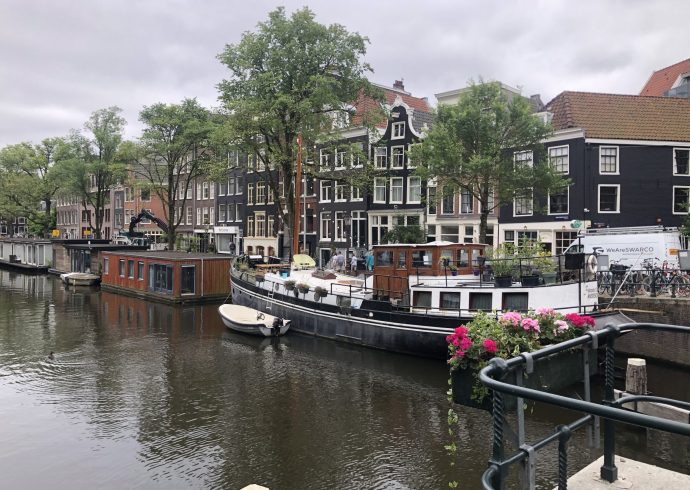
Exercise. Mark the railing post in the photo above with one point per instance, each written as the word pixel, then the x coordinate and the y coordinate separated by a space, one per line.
pixel 609 472
pixel 563 437
pixel 653 295
pixel 498 415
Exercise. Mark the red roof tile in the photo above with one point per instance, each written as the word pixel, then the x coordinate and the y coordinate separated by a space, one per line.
pixel 662 80
pixel 366 104
pixel 614 116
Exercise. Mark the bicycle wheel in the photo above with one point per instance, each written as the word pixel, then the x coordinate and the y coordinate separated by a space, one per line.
pixel 604 283
pixel 682 286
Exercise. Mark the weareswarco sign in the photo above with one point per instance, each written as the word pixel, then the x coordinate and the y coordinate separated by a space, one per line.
pixel 225 230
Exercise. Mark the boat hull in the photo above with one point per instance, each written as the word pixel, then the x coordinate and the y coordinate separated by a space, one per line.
pixel 238 319
pixel 80 279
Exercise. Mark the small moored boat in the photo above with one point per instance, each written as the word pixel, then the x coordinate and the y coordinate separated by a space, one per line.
pixel 248 320
pixel 80 279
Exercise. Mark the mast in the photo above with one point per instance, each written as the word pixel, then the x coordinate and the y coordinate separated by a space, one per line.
pixel 298 181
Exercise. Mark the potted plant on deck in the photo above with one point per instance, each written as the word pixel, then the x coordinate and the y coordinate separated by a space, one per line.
pixel 319 293
pixel 289 285
pixel 472 345
pixel 502 260
pixel 303 288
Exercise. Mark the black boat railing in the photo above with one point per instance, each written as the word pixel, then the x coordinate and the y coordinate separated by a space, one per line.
pixel 611 410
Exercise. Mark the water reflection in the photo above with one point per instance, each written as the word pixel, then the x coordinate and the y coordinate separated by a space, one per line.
pixel 145 394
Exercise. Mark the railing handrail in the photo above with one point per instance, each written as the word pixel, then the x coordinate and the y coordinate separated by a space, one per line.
pixel 494 374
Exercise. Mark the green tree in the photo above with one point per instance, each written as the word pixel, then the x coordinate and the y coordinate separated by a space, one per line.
pixel 91 163
pixel 175 148
pixel 471 147
pixel 291 77
pixel 405 234
pixel 29 182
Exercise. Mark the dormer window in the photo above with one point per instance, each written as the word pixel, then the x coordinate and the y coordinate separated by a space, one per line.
pixel 398 130
pixel 681 165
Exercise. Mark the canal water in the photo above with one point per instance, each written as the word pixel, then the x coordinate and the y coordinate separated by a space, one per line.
pixel 145 395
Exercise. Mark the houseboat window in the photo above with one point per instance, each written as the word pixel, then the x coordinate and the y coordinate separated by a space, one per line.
pixel 446 258
pixel 130 269
pixel 188 273
pixel 475 256
pixel 480 301
pixel 421 299
pixel 121 268
pixel 450 301
pixel 141 271
pixel 384 258
pixel 421 258
pixel 402 260
pixel 106 264
pixel 161 278
pixel 515 302
pixel 463 258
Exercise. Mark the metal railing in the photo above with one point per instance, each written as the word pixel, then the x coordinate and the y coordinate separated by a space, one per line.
pixel 610 409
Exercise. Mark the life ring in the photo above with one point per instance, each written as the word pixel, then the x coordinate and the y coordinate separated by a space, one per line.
pixel 591 265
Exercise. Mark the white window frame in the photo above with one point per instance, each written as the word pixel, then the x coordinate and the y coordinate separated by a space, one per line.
pixel 398 130
pixel 401 187
pixel 618 159
pixel 339 194
pixel 397 159
pixel 356 194
pixel 221 213
pixel 519 158
pixel 466 192
pixel 675 166
pixel 323 158
pixel 250 226
pixel 250 194
pixel 340 157
pixel 205 216
pixel 618 199
pixel 409 190
pixel 515 200
pixel 325 190
pixel 261 192
pixel 339 231
pixel 260 223
pixel 198 216
pixel 673 200
pixel 381 157
pixel 377 186
pixel 567 210
pixel 324 217
pixel 566 157
pixel 356 160
pixel 189 216
pixel 198 191
pixel 410 163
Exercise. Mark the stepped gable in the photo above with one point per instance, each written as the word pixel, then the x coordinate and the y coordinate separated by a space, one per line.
pixel 615 116
pixel 662 80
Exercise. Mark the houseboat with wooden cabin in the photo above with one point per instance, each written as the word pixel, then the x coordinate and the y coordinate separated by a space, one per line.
pixel 414 297
pixel 167 276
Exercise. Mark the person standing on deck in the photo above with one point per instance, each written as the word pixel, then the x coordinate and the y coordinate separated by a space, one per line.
pixel 370 260
pixel 353 265
pixel 339 262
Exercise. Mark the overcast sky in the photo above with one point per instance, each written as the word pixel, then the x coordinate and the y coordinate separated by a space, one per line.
pixel 62 59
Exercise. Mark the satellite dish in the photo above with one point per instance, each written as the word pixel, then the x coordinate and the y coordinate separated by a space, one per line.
pixel 576 223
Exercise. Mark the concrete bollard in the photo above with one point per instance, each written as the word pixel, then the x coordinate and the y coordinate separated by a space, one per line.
pixel 636 376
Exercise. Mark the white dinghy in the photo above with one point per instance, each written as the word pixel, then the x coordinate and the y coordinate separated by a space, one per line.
pixel 248 320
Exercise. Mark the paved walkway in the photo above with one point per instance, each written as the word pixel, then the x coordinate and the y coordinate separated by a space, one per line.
pixel 631 474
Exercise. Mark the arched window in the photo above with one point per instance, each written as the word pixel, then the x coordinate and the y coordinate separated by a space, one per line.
pixel 271 251
pixel 250 249
pixel 260 250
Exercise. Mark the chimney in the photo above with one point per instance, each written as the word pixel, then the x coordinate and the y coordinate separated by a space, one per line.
pixel 398 84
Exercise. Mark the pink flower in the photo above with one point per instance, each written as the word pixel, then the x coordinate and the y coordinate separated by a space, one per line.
pixel 465 343
pixel 449 338
pixel 456 341
pixel 530 324
pixel 490 346
pixel 461 331
pixel 512 318
pixel 561 326
pixel 544 311
pixel 580 321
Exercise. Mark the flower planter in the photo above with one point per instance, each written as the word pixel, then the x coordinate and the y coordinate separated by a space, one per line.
pixel 530 281
pixel 551 374
pixel 549 277
pixel 503 281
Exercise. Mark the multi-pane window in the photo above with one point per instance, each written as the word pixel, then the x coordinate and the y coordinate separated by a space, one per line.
pixel 339 226
pixel 238 189
pixel 466 202
pixel 558 156
pixel 206 217
pixel 449 234
pixel 189 215
pixel 238 213
pixel 221 213
pixel 681 199
pixel 469 234
pixel 397 157
pixel 396 190
pixel 608 159
pixel 448 202
pixel 431 199
pixel 379 189
pixel 261 225
pixel 250 226
pixel 190 189
pixel 222 188
pixel 231 186
pixel 398 130
pixel 523 203
pixel 356 156
pixel 381 157
pixel 355 193
pixel 130 269
pixel 414 190
pixel 325 226
pixel 489 201
pixel 212 211
pixel 198 191
pixel 187 279
pixel 140 271
pixel 340 159
pixel 250 193
pixel 340 192
pixel 410 163
pixel 558 201
pixel 680 161
pixel 326 186
pixel 270 225
pixel 231 212
pixel 146 194
pixel 261 192
pixel 198 216
pixel 324 158
pixel 563 240
pixel 609 198
pixel 524 158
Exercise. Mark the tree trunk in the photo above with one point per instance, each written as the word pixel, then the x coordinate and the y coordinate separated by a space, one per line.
pixel 172 226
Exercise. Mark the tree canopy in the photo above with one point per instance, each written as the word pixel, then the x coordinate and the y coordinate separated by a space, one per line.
pixel 174 149
pixel 472 146
pixel 291 77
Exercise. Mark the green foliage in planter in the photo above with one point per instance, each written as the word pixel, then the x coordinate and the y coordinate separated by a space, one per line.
pixel 303 288
pixel 289 285
pixel 320 292
pixel 503 260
